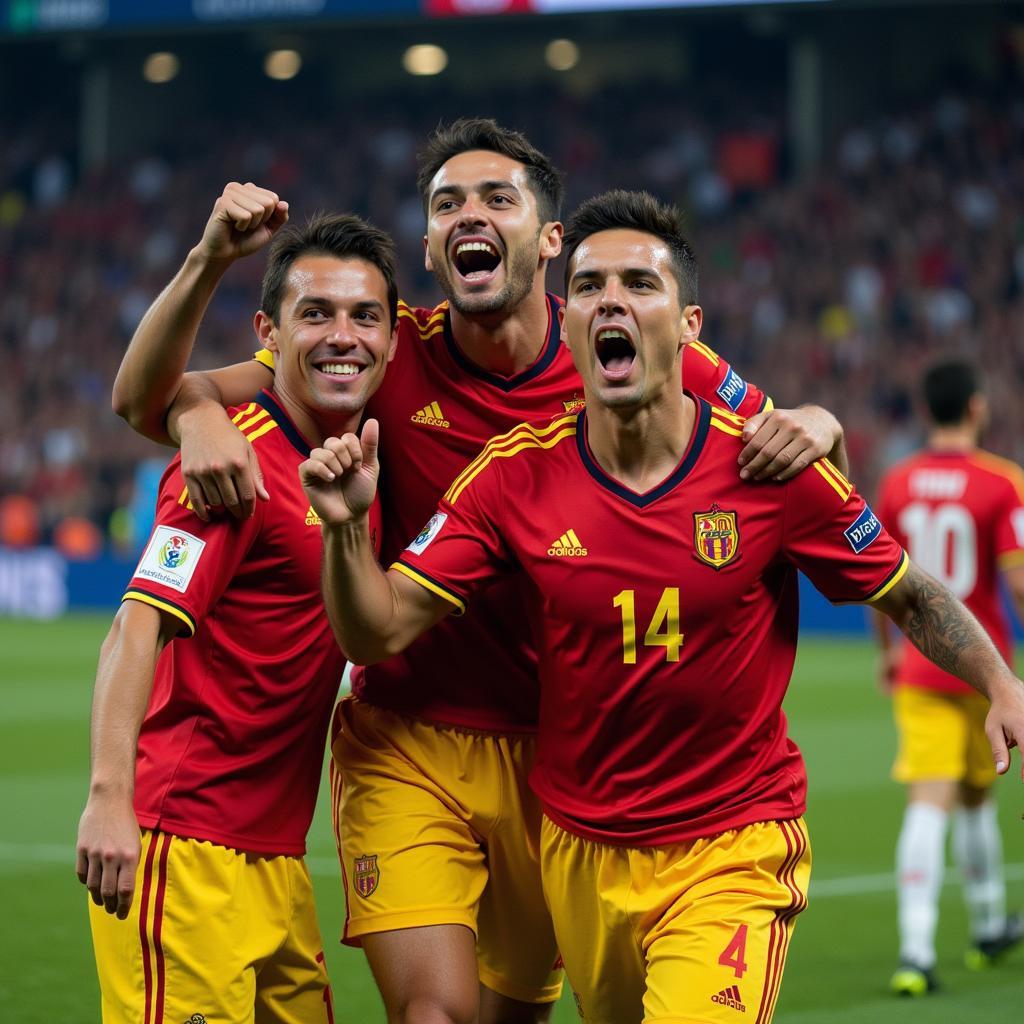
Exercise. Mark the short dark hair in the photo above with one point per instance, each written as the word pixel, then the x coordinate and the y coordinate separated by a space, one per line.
pixel 343 235
pixel 948 388
pixel 637 211
pixel 469 133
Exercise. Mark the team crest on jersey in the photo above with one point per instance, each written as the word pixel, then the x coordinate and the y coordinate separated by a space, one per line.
pixel 366 875
pixel 575 404
pixel 716 537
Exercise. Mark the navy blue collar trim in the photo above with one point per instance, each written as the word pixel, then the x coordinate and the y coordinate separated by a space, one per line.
pixel 544 360
pixel 700 434
pixel 299 443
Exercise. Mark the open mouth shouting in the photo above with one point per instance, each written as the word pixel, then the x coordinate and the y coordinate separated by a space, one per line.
pixel 476 259
pixel 615 352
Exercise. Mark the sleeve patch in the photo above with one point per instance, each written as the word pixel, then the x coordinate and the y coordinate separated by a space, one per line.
pixel 171 558
pixel 428 533
pixel 864 531
pixel 732 390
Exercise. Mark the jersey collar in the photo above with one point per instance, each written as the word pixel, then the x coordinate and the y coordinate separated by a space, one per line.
pixel 298 442
pixel 542 362
pixel 676 477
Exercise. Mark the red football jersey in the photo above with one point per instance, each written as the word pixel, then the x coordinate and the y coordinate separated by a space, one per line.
pixel 666 621
pixel 437 409
pixel 232 745
pixel 961 517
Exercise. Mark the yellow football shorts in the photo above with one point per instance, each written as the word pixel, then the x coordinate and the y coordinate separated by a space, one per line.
pixel 692 933
pixel 436 826
pixel 213 935
pixel 941 736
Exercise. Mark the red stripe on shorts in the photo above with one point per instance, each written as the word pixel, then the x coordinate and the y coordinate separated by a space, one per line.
pixel 147 969
pixel 778 943
pixel 158 926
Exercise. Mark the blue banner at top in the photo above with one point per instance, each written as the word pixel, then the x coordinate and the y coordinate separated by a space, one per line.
pixel 28 16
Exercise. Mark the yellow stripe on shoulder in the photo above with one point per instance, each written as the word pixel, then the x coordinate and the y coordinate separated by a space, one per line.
pixel 257 417
pixel 429 584
pixel 264 428
pixel 165 606
pixel 1001 467
pixel 1010 559
pixel 843 491
pixel 726 427
pixel 728 415
pixel 243 412
pixel 709 354
pixel 512 443
pixel 831 467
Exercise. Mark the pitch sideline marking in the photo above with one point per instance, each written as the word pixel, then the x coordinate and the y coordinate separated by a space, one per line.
pixel 14 855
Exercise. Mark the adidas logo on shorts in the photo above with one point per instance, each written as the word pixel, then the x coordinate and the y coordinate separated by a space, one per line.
pixel 730 997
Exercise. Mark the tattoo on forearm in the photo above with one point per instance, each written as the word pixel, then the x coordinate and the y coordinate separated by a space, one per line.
pixel 939 625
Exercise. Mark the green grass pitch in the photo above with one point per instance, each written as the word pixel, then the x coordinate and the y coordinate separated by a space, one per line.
pixel 843 950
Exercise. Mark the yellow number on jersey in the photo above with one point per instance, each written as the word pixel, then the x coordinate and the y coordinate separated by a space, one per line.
pixel 663 630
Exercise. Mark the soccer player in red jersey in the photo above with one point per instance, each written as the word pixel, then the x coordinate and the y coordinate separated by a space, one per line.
pixel 438 830
pixel 959 511
pixel 216 682
pixel 663 594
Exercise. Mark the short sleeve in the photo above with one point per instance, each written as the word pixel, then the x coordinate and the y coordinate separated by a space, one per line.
pixel 831 534
pixel 1009 526
pixel 461 549
pixel 188 563
pixel 707 374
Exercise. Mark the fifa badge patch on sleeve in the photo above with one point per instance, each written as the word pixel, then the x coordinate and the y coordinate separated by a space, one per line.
pixel 864 531
pixel 171 558
pixel 428 533
pixel 732 390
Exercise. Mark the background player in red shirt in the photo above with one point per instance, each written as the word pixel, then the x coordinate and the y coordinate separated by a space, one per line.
pixel 442 878
pixel 216 682
pixel 663 592
pixel 959 511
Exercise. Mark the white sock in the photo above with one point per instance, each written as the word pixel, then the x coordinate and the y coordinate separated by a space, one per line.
pixel 978 848
pixel 920 861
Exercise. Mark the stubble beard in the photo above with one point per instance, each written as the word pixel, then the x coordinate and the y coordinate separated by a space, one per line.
pixel 519 276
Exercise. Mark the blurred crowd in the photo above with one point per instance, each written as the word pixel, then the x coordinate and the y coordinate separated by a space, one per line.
pixel 838 289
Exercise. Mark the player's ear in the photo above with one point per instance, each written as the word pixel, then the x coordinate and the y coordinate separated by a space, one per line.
pixel 562 333
pixel 393 341
pixel 690 324
pixel 551 240
pixel 426 256
pixel 266 331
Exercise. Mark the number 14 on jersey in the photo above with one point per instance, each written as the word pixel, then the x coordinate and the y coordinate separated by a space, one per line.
pixel 662 630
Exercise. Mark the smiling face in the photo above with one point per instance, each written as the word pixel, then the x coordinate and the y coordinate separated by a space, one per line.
pixel 485 242
pixel 333 340
pixel 623 321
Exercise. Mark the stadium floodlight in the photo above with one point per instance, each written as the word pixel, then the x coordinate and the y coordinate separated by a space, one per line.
pixel 562 54
pixel 425 59
pixel 161 67
pixel 282 64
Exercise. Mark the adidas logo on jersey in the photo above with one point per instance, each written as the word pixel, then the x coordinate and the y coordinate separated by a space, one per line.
pixel 730 997
pixel 312 519
pixel 567 546
pixel 431 416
